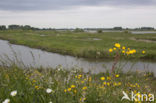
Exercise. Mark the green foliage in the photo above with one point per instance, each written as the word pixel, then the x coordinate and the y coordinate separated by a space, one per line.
pixel 21 27
pixel 2 27
pixel 31 85
pixel 117 28
pixel 78 30
pixel 99 31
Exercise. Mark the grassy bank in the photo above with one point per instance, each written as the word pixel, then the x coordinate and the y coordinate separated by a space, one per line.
pixel 81 44
pixel 40 85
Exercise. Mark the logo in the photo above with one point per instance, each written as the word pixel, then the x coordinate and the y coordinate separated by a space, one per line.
pixel 138 97
pixel 125 96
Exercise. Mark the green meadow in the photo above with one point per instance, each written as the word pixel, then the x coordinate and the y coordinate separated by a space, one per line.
pixel 83 44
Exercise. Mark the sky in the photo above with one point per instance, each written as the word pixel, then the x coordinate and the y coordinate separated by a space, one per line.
pixel 79 13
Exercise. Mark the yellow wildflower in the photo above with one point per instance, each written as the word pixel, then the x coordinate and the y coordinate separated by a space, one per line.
pixel 143 52
pixel 102 78
pixel 127 53
pixel 123 47
pixel 138 95
pixel 115 84
pixel 65 90
pixel 131 52
pixel 79 76
pixel 137 85
pixel 117 45
pixel 36 87
pixel 104 83
pixel 123 51
pixel 117 75
pixel 73 86
pixel 110 50
pixel 114 48
pixel 69 89
pixel 84 88
pixel 108 83
pixel 134 51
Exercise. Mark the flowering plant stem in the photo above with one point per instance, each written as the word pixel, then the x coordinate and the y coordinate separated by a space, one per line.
pixel 116 59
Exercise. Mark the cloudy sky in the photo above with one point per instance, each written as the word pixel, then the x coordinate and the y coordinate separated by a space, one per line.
pixel 78 13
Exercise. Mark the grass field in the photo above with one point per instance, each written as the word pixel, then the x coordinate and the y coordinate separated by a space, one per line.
pixel 48 85
pixel 82 44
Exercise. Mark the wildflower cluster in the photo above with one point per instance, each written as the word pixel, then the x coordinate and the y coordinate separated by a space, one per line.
pixel 123 50
pixel 74 86
pixel 110 81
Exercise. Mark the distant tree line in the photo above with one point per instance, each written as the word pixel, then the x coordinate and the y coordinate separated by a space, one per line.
pixel 146 28
pixel 142 28
pixel 117 28
pixel 99 30
pixel 3 27
pixel 25 27
pixel 17 27
pixel 78 30
pixel 120 28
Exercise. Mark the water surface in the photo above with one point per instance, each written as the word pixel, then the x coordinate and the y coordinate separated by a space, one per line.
pixel 143 32
pixel 36 58
pixel 133 32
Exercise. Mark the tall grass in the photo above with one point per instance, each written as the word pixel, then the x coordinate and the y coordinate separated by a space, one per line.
pixel 31 85
pixel 59 85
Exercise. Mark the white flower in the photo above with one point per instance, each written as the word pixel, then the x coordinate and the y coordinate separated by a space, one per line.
pixel 49 90
pixel 13 93
pixel 6 101
pixel 50 102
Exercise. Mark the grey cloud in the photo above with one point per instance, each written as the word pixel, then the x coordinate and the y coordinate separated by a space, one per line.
pixel 12 5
